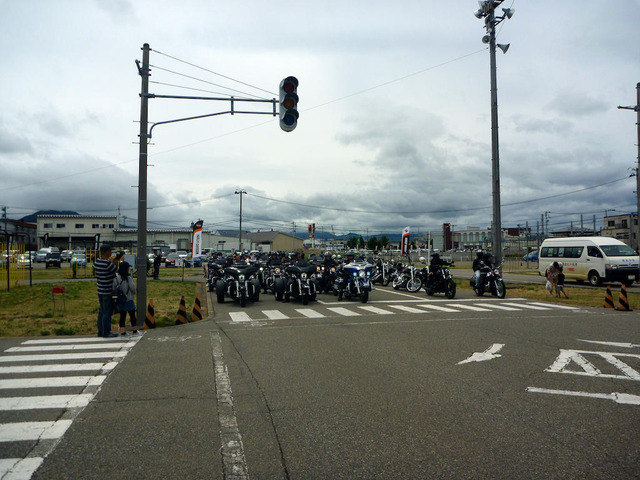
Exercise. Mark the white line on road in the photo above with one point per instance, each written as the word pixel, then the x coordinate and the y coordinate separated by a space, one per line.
pixel 554 305
pixel 469 307
pixel 60 367
pixel 26 431
pixel 500 307
pixel 611 344
pixel 489 354
pixel 404 308
pixel 49 382
pixel 58 348
pixel 239 317
pixel 19 468
pixel 62 356
pixel 379 311
pixel 622 398
pixel 49 341
pixel 438 308
pixel 47 401
pixel 309 313
pixel 274 315
pixel 344 312
pixel 528 306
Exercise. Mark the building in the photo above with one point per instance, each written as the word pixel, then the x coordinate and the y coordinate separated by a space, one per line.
pixel 274 241
pixel 623 227
pixel 164 239
pixel 70 231
pixel 21 232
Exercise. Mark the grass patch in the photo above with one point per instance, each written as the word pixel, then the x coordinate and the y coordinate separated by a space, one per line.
pixel 29 311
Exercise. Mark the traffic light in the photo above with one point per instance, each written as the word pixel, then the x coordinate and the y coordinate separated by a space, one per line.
pixel 288 104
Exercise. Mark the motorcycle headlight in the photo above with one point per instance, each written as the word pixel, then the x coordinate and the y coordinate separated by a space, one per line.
pixel 362 274
pixel 261 268
pixel 368 274
pixel 241 278
pixel 318 268
pixel 333 269
pixel 277 270
pixel 304 276
pixel 355 274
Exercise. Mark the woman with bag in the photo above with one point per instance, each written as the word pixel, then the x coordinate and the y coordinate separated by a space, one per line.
pixel 125 290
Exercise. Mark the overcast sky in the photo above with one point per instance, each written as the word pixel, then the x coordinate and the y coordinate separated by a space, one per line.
pixel 394 125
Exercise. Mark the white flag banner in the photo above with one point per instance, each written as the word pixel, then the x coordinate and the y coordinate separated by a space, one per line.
pixel 405 241
pixel 196 239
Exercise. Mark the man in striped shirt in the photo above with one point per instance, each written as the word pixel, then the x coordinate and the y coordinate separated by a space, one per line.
pixel 105 268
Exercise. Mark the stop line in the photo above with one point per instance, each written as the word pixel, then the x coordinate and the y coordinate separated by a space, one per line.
pixel 326 311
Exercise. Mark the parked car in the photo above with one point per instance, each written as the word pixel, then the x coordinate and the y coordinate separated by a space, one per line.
pixel 53 260
pixel 531 257
pixel 79 259
pixel 41 255
pixel 24 259
pixel 194 261
pixel 66 255
pixel 182 253
pixel 170 261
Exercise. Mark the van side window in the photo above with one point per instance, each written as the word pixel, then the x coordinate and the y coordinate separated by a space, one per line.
pixel 594 252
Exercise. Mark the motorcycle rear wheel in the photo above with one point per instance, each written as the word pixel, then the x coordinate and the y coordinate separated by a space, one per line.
pixel 501 289
pixel 385 281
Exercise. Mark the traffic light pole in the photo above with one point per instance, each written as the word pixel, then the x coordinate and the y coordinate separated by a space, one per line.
pixel 145 135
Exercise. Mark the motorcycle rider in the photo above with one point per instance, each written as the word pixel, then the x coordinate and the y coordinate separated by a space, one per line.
pixel 434 267
pixel 477 265
pixel 485 265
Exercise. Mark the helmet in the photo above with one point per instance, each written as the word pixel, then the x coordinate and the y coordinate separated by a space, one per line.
pixel 436 255
pixel 422 260
pixel 479 253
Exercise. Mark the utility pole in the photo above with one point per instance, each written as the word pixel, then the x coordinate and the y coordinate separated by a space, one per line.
pixel 636 108
pixel 141 253
pixel 240 192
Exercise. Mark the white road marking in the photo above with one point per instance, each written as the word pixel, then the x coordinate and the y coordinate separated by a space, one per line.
pixel 274 314
pixel 26 431
pixel 554 305
pixel 344 312
pixel 62 356
pixel 568 357
pixel 309 313
pixel 232 447
pixel 612 344
pixel 59 367
pixel 379 311
pixel 469 307
pixel 500 307
pixel 19 468
pixel 49 341
pixel 489 354
pixel 438 308
pixel 48 401
pixel 239 317
pixel 404 308
pixel 58 348
pixel 48 382
pixel 527 305
pixel 622 398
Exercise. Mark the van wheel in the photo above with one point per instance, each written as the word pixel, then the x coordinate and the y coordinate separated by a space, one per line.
pixel 594 278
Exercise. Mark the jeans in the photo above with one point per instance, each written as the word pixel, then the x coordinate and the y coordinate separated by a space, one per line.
pixel 104 315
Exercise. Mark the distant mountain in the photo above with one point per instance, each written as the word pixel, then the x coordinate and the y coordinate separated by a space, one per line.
pixel 33 217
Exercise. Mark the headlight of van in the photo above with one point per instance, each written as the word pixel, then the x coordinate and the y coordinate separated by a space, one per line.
pixel 610 266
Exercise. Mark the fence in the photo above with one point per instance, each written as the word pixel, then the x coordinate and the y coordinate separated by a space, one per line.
pixel 13 264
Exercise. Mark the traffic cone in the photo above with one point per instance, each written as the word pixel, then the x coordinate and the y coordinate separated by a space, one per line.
pixel 608 299
pixel 150 319
pixel 623 304
pixel 196 313
pixel 182 313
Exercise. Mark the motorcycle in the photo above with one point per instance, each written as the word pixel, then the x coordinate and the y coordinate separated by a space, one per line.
pixel 299 283
pixel 382 273
pixel 214 273
pixel 490 281
pixel 441 281
pixel 239 284
pixel 325 278
pixel 408 278
pixel 355 281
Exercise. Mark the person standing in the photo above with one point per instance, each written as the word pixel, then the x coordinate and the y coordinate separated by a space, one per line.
pixel 105 268
pixel 560 283
pixel 157 260
pixel 124 283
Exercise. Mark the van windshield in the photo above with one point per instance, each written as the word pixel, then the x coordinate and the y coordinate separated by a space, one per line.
pixel 618 250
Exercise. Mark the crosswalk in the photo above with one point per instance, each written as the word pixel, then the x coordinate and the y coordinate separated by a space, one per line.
pixel 356 310
pixel 44 385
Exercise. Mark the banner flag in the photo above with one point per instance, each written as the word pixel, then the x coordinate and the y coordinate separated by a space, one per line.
pixel 196 239
pixel 405 241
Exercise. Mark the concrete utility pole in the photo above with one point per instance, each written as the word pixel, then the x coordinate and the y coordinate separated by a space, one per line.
pixel 636 108
pixel 240 192
pixel 141 254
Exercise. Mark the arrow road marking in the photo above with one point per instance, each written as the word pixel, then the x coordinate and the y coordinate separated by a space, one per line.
pixel 622 398
pixel 488 354
pixel 612 344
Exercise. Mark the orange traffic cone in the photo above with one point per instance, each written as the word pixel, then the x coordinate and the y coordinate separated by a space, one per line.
pixel 623 303
pixel 608 299
pixel 196 313
pixel 182 312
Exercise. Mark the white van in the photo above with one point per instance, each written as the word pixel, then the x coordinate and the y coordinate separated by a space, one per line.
pixel 594 259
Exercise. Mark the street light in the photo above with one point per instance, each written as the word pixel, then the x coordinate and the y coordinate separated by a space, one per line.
pixel 491 21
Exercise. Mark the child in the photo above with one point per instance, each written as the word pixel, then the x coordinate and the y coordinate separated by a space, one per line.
pixel 560 284
pixel 124 282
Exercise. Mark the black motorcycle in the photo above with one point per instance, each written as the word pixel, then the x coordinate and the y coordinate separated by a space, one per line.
pixel 354 281
pixel 299 283
pixel 490 281
pixel 239 284
pixel 215 271
pixel 439 281
pixel 409 278
pixel 382 273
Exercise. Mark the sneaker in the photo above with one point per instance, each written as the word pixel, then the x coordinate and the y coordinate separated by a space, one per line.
pixel 110 335
pixel 136 333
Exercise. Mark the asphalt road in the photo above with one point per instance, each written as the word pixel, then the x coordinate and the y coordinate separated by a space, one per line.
pixel 405 386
